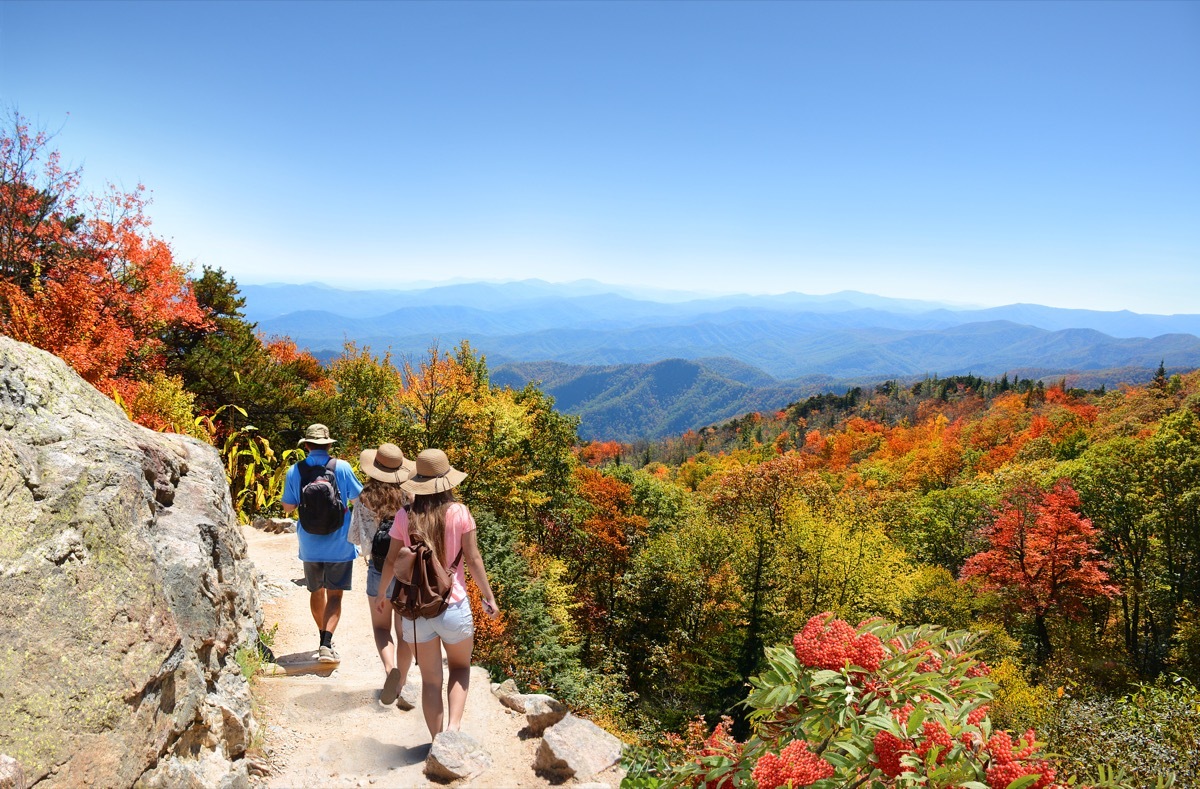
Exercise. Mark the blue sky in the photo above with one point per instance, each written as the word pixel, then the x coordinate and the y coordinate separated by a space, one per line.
pixel 975 152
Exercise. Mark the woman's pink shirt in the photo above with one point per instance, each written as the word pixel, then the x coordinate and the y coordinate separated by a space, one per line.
pixel 458 523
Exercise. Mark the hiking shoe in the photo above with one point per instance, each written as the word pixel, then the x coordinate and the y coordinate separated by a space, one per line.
pixel 327 655
pixel 391 686
pixel 410 694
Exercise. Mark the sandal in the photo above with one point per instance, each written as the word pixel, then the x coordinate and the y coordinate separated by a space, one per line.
pixel 391 687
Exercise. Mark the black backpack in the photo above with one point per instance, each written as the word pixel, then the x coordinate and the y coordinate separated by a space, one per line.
pixel 321 507
pixel 381 543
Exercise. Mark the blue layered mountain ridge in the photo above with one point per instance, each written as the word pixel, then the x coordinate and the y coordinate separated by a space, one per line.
pixel 635 367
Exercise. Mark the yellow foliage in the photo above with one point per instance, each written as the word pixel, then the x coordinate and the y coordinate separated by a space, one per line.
pixel 1018 704
pixel 561 599
pixel 841 564
pixel 162 404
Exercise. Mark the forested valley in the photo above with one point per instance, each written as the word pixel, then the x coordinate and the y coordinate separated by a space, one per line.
pixel 784 597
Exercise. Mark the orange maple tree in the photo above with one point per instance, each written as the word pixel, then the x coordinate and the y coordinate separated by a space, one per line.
pixel 1043 557
pixel 597 453
pixel 606 526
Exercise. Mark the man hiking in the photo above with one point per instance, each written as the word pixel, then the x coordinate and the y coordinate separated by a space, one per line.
pixel 321 488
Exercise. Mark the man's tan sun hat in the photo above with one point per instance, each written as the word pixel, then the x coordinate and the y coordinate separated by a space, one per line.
pixel 434 474
pixel 386 464
pixel 316 434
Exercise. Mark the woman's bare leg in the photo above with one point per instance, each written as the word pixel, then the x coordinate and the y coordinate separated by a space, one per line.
pixel 458 658
pixel 404 650
pixel 381 628
pixel 429 659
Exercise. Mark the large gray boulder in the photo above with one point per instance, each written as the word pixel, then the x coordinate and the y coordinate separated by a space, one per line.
pixel 455 755
pixel 576 748
pixel 542 711
pixel 124 592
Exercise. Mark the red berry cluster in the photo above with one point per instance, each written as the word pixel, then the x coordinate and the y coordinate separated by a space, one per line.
pixel 795 765
pixel 979 670
pixel 869 652
pixel 935 734
pixel 829 643
pixel 1008 765
pixel 888 750
pixel 931 663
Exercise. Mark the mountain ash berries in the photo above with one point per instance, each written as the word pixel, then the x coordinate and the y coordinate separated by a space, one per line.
pixel 829 643
pixel 795 765
pixel 890 706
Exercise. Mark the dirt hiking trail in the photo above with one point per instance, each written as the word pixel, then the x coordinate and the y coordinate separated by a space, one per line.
pixel 323 725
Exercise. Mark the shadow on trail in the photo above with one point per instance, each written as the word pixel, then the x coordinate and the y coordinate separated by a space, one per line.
pixel 302 663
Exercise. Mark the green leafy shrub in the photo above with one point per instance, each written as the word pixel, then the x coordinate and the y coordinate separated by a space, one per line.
pixel 251 657
pixel 255 474
pixel 1155 730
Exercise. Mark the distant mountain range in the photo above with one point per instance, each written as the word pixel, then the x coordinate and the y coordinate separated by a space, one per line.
pixel 634 367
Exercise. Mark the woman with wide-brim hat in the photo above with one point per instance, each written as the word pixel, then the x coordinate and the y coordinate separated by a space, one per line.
pixel 447 526
pixel 381 504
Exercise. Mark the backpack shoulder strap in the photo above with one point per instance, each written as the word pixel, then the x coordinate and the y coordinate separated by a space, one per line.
pixel 307 471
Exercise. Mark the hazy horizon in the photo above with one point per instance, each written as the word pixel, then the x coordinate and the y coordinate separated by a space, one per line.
pixel 675 295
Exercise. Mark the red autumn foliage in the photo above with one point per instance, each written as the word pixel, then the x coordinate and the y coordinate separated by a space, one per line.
pixel 284 351
pixel 606 525
pixel 1043 555
pixel 96 289
pixel 597 453
pixel 38 205
pixel 1043 558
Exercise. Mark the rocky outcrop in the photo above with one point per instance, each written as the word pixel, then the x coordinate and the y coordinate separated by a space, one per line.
pixel 124 592
pixel 509 696
pixel 540 711
pixel 275 525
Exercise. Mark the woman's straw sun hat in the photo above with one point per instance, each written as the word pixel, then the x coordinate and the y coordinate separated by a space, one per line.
pixel 386 464
pixel 434 474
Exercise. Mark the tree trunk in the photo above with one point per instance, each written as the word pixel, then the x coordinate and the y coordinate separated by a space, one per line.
pixel 1044 647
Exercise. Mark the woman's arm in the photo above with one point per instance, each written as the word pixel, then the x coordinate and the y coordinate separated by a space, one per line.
pixel 474 562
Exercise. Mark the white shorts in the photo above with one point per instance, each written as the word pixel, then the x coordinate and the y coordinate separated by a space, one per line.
pixel 452 625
